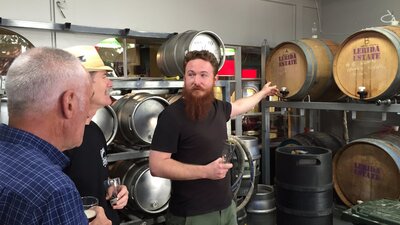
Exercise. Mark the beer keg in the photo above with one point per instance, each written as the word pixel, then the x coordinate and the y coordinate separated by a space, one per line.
pixel 12 45
pixel 137 117
pixel 173 98
pixel 146 193
pixel 315 138
pixel 218 93
pixel 250 144
pixel 3 111
pixel 304 193
pixel 171 54
pixel 249 89
pixel 107 120
pixel 261 209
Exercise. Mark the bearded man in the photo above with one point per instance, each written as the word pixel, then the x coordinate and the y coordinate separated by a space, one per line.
pixel 188 142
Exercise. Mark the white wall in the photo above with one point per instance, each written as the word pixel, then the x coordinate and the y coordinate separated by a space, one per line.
pixel 241 22
pixel 341 18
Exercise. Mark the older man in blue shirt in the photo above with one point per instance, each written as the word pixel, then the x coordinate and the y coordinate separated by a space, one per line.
pixel 48 97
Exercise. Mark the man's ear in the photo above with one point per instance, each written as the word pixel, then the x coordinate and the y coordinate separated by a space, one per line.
pixel 67 103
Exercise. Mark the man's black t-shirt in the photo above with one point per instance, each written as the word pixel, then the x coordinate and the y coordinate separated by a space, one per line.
pixel 194 143
pixel 88 168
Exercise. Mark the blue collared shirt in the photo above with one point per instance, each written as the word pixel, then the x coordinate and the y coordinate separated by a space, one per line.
pixel 33 188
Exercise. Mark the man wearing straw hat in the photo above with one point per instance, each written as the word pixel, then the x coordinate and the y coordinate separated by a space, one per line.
pixel 88 168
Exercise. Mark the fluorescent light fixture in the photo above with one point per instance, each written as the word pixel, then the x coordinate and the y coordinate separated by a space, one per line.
pixel 229 51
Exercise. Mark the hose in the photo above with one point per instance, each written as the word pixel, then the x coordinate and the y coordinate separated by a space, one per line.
pixel 345 128
pixel 242 152
pixel 239 152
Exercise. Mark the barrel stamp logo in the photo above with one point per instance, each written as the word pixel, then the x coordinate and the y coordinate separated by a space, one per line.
pixel 365 60
pixel 366 53
pixel 367 171
pixel 288 58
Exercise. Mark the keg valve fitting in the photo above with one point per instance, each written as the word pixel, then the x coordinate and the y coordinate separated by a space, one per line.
pixel 384 102
pixel 154 204
pixel 362 92
pixel 284 91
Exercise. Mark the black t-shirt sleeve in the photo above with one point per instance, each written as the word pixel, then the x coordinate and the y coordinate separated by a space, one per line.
pixel 227 109
pixel 166 134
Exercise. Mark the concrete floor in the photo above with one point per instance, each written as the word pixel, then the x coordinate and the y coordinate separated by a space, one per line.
pixel 248 219
pixel 268 221
pixel 337 218
pixel 338 221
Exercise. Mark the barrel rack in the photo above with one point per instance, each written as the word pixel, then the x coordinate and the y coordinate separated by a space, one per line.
pixel 383 107
pixel 72 28
pixel 128 82
pixel 143 36
pixel 352 108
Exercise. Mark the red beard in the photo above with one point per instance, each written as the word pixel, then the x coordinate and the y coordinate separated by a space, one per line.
pixel 197 107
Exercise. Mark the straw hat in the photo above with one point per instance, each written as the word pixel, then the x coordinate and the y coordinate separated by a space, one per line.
pixel 89 57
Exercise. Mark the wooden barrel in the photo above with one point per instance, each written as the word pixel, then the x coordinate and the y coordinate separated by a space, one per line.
pixel 315 138
pixel 304 67
pixel 368 169
pixel 369 60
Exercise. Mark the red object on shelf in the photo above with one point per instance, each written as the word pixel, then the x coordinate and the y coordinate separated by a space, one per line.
pixel 249 73
pixel 228 69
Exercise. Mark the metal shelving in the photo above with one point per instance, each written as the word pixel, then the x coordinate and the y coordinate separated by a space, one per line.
pixel 143 83
pixel 353 107
pixel 134 83
pixel 366 107
pixel 72 28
